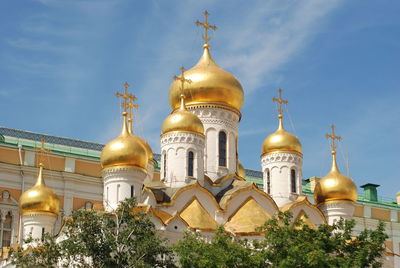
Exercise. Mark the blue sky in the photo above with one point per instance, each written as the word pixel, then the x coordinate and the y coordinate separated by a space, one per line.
pixel 337 62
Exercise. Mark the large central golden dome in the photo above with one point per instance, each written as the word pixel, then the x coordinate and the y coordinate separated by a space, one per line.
pixel 39 199
pixel 126 150
pixel 182 120
pixel 210 85
pixel 335 186
pixel 281 140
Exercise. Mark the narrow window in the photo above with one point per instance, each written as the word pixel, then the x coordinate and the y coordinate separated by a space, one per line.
pixel 222 148
pixel 268 182
pixel 165 166
pixel 293 180
pixel 190 164
pixel 132 190
pixel 6 231
pixel 118 186
pixel 42 233
pixel 107 195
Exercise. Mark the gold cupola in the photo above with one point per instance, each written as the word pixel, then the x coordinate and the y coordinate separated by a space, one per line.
pixel 39 199
pixel 241 171
pixel 335 186
pixel 127 149
pixel 281 140
pixel 181 120
pixel 210 85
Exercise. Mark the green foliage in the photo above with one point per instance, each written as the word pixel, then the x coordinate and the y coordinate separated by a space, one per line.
pixel 93 239
pixel 286 244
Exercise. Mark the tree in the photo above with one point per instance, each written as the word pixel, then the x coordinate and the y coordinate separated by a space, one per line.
pixel 93 239
pixel 286 244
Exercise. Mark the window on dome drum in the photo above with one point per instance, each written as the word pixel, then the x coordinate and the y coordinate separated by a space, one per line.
pixel 222 149
pixel 132 190
pixel 165 165
pixel 268 182
pixel 293 180
pixel 42 236
pixel 5 225
pixel 190 164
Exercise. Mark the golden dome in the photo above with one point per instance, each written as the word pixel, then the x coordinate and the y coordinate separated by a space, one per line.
pixel 335 186
pixel 281 140
pixel 210 85
pixel 148 149
pixel 241 171
pixel 183 121
pixel 127 150
pixel 39 199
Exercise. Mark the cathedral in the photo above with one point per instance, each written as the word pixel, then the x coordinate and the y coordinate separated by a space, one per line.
pixel 195 182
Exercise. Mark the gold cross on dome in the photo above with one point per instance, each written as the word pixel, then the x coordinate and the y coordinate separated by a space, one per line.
pixel 333 138
pixel 280 101
pixel 131 105
pixel 41 150
pixel 182 79
pixel 206 27
pixel 125 96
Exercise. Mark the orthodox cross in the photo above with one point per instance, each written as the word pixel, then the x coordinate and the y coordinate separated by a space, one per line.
pixel 280 101
pixel 125 96
pixel 333 137
pixel 206 27
pixel 131 105
pixel 41 150
pixel 182 79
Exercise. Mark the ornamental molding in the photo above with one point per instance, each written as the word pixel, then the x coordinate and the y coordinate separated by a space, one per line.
pixel 225 123
pixel 182 137
pixel 282 157
pixel 123 172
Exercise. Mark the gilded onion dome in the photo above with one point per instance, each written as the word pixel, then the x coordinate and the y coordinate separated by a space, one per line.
pixel 210 85
pixel 126 150
pixel 181 120
pixel 281 140
pixel 143 141
pixel 335 186
pixel 39 199
pixel 241 171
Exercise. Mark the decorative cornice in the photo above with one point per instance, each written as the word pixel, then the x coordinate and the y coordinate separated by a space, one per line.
pixel 279 157
pixel 182 137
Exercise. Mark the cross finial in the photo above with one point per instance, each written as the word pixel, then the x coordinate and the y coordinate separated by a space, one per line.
pixel 131 105
pixel 182 79
pixel 280 102
pixel 41 150
pixel 206 27
pixel 125 96
pixel 333 137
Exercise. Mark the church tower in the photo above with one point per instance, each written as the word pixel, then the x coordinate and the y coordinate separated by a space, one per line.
pixel 216 97
pixel 281 162
pixel 39 207
pixel 182 145
pixel 124 163
pixel 335 194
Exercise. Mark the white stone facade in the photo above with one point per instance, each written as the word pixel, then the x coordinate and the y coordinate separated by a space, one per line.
pixel 121 182
pixel 278 169
pixel 176 148
pixel 215 120
pixel 35 225
pixel 334 210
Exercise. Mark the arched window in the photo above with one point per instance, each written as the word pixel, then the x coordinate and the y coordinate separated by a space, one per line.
pixel 132 191
pixel 118 186
pixel 222 149
pixel 190 164
pixel 6 230
pixel 293 181
pixel 165 165
pixel 268 182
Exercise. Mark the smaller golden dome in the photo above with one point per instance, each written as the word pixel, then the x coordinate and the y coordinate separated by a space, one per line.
pixel 281 140
pixel 39 198
pixel 241 171
pixel 183 121
pixel 126 150
pixel 335 186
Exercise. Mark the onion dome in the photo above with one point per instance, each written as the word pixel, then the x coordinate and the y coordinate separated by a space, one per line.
pixel 210 86
pixel 182 120
pixel 241 171
pixel 126 150
pixel 144 143
pixel 281 140
pixel 39 199
pixel 335 186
